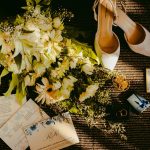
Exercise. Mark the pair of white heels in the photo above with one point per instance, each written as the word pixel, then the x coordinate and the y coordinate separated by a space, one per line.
pixel 107 45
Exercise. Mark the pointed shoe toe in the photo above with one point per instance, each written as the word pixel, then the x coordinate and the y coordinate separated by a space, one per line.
pixel 143 46
pixel 108 60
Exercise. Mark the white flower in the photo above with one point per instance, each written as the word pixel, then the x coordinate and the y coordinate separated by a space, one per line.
pixel 57 48
pixel 45 60
pixel 45 37
pixel 54 73
pixel 30 26
pixel 56 85
pixel 30 79
pixel 28 62
pixel 90 92
pixel 18 47
pixel 37 56
pixel 67 86
pixel 31 38
pixel 87 66
pixel 80 54
pixel 91 89
pixel 46 94
pixel 39 68
pixel 73 63
pixel 27 80
pixel 71 51
pixel 6 43
pixel 67 83
pixel 56 36
pixel 56 22
pixel 66 93
pixel 60 71
pixel 13 68
pixel 88 69
pixel 37 10
pixel 45 25
pixel 52 34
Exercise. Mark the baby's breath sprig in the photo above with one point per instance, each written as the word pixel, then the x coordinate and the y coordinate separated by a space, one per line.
pixel 64 14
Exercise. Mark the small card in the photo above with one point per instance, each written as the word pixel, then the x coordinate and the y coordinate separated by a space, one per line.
pixel 12 131
pixel 147 80
pixel 8 106
pixel 138 102
pixel 52 134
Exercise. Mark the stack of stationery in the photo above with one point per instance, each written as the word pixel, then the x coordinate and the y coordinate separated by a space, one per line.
pixel 29 126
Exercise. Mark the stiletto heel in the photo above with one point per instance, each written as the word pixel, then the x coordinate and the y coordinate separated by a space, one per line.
pixel 107 45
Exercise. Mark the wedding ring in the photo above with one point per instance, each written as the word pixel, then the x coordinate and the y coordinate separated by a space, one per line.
pixel 122 113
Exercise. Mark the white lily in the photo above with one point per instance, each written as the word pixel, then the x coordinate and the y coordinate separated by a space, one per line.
pixel 13 68
pixel 90 92
pixel 18 47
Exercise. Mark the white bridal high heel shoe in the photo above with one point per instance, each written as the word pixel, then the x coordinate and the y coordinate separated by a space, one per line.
pixel 137 37
pixel 107 45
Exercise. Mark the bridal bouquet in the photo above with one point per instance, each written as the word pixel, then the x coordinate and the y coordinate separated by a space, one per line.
pixel 65 74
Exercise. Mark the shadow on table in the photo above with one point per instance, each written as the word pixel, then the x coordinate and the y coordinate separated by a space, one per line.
pixel 98 140
pixel 138 132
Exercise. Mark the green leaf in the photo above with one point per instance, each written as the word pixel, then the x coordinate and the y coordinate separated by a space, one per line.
pixel 87 51
pixel 20 92
pixel 18 60
pixel 0 47
pixel 19 20
pixel 4 73
pixel 37 1
pixel 14 82
pixel 30 2
pixel 65 104
pixel 27 31
pixel 46 2
pixel 74 110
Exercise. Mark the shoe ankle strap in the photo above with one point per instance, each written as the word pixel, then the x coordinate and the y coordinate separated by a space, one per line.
pixel 97 2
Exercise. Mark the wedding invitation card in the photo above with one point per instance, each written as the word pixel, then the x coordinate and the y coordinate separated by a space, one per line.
pixel 52 134
pixel 8 106
pixel 12 131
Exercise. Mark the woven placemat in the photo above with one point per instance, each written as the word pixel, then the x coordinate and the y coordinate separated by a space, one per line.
pixel 131 64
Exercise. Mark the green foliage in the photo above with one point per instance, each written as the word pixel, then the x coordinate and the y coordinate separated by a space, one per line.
pixel 16 82
pixel 86 50
pixel 4 73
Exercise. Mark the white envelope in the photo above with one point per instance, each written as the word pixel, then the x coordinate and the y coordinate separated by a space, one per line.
pixel 12 131
pixel 8 106
pixel 52 134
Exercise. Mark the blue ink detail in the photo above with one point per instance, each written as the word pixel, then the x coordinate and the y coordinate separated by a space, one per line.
pixel 33 127
pixel 143 103
pixel 49 122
